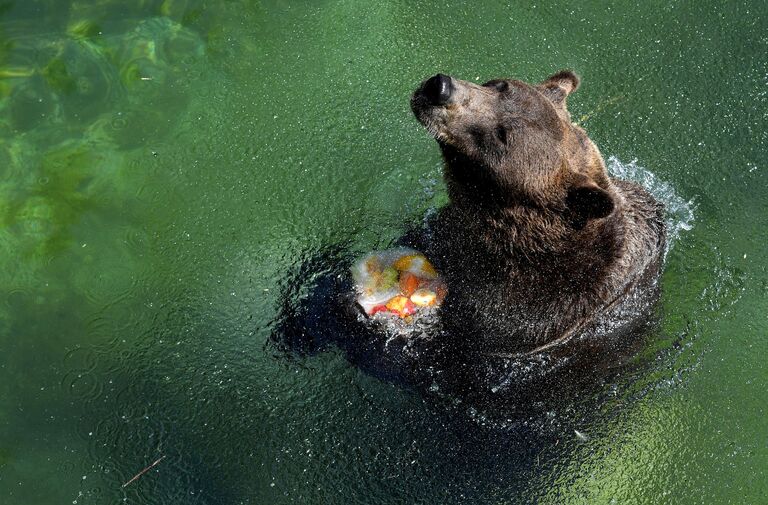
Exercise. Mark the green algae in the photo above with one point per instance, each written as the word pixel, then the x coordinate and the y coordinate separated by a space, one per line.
pixel 58 77
pixel 43 211
pixel 83 29
pixel 74 92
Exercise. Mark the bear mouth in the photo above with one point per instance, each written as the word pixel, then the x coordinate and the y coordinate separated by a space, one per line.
pixel 432 117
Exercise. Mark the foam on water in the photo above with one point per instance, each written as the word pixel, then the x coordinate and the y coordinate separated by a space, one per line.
pixel 679 212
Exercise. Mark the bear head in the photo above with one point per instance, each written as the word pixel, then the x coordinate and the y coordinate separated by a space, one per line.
pixel 509 143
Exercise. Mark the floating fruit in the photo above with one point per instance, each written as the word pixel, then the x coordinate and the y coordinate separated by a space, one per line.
pixel 387 280
pixel 397 282
pixel 416 264
pixel 404 262
pixel 424 297
pixel 401 306
pixel 378 308
pixel 408 283
pixel 397 303
pixel 408 310
pixel 371 302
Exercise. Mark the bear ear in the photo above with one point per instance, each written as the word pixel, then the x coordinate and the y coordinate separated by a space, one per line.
pixel 560 85
pixel 586 200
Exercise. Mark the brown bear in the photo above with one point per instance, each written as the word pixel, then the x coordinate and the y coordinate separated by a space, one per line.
pixel 552 266
pixel 539 245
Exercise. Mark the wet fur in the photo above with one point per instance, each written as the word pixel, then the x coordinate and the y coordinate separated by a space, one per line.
pixel 537 239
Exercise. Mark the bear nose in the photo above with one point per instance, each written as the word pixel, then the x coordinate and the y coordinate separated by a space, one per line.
pixel 438 89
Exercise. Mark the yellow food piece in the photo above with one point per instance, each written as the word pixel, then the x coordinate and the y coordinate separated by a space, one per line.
pixel 397 304
pixel 416 264
pixel 428 269
pixel 404 262
pixel 424 297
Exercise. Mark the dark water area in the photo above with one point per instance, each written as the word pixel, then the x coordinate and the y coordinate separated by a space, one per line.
pixel 166 166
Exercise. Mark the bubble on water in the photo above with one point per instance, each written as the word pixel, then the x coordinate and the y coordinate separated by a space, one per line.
pixel 679 212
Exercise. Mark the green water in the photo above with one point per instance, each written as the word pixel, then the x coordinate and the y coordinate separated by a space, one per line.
pixel 165 163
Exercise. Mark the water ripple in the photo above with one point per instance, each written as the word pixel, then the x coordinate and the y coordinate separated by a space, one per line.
pixel 679 212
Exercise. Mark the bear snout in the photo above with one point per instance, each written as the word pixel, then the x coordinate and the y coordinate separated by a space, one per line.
pixel 432 96
pixel 438 89
pixel 449 107
pixel 431 100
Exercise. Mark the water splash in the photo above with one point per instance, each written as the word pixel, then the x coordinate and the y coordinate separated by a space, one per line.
pixel 679 212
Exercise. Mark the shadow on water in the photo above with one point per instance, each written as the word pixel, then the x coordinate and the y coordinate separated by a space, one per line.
pixel 309 427
pixel 506 417
pixel 411 447
pixel 490 423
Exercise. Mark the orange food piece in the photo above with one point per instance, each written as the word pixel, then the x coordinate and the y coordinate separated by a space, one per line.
pixel 409 283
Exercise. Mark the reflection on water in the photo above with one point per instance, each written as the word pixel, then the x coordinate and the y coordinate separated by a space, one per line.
pixel 166 164
pixel 77 106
